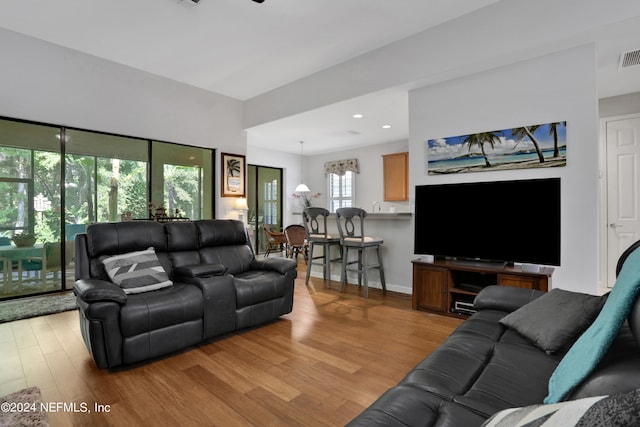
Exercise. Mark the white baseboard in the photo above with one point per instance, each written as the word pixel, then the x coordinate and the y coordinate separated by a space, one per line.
pixel 353 278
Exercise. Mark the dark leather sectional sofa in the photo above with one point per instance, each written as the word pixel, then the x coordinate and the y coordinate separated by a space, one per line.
pixel 484 367
pixel 218 286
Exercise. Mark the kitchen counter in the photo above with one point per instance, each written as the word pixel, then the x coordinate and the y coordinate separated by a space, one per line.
pixel 379 215
pixel 388 215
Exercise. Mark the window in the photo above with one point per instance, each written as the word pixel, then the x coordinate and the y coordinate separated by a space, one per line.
pixel 105 176
pixel 271 201
pixel 182 180
pixel 183 190
pixel 341 190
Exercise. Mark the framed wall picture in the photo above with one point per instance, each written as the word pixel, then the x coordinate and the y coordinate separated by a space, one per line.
pixel 532 146
pixel 233 175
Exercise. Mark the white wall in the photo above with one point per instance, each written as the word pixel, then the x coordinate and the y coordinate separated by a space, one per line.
pixel 44 82
pixel 551 88
pixel 620 105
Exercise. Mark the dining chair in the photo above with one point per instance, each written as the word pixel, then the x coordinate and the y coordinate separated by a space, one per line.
pixel 274 239
pixel 50 261
pixel 296 242
pixel 352 237
pixel 315 224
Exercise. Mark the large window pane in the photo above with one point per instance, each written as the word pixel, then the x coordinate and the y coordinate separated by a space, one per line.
pixel 182 178
pixel 30 207
pixel 183 191
pixel 106 177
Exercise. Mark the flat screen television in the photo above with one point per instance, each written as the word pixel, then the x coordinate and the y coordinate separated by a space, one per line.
pixel 498 221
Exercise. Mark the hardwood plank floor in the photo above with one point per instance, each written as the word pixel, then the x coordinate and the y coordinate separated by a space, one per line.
pixel 320 365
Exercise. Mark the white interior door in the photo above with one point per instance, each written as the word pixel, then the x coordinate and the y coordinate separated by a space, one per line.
pixel 623 188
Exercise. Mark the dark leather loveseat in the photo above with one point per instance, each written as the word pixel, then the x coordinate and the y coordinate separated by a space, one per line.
pixel 216 286
pixel 484 367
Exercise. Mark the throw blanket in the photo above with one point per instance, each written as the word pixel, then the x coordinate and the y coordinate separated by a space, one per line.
pixel 593 344
pixel 616 410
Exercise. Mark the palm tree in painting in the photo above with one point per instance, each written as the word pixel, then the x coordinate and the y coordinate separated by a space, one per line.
pixel 480 139
pixel 553 131
pixel 519 134
pixel 233 171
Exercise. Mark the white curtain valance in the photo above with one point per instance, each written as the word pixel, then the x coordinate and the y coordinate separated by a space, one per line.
pixel 340 167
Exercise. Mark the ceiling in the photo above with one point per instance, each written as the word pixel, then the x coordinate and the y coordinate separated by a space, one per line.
pixel 242 49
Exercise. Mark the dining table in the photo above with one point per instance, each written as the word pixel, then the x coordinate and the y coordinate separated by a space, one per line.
pixel 11 256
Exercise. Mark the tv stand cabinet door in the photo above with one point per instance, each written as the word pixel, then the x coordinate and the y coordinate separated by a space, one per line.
pixel 519 281
pixel 430 288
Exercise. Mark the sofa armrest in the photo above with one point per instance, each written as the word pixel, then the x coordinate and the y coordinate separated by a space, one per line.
pixel 504 298
pixel 200 270
pixel 281 265
pixel 94 290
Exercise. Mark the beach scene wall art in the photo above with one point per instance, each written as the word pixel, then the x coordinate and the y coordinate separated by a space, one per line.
pixel 534 146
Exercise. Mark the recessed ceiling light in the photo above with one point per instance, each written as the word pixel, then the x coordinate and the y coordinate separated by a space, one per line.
pixel 358 116
pixel 386 126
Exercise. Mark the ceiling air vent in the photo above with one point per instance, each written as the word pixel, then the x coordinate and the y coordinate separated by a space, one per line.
pixel 629 59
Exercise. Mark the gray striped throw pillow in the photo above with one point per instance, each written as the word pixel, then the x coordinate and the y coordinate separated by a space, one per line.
pixel 137 272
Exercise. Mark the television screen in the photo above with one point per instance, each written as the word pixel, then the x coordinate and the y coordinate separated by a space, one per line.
pixel 499 221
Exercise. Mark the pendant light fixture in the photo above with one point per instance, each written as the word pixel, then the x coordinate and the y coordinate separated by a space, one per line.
pixel 302 187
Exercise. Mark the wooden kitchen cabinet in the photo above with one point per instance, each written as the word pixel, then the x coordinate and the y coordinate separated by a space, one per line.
pixel 395 168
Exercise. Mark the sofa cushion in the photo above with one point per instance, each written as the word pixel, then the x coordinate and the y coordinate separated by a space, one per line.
pixel 408 406
pixel 121 237
pixel 555 319
pixel 221 232
pixel 181 236
pixel 151 311
pixel 617 410
pixel 453 367
pixel 255 286
pixel 236 258
pixel 136 272
pixel 514 375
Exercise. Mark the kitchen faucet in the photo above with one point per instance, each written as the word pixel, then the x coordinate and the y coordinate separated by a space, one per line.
pixel 373 207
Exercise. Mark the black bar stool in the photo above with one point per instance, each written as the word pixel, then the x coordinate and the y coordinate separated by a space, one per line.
pixel 347 219
pixel 315 224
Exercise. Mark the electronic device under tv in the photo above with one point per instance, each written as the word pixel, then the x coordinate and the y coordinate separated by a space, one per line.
pixel 498 221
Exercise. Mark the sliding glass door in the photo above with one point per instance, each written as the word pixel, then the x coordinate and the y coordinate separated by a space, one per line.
pixel 264 197
pixel 31 259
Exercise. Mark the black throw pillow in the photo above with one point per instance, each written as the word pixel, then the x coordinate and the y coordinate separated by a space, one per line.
pixel 556 319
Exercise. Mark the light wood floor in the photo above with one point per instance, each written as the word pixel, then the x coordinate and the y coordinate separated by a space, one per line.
pixel 321 365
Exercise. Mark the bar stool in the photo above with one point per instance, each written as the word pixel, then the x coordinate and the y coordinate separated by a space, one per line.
pixel 315 224
pixel 347 219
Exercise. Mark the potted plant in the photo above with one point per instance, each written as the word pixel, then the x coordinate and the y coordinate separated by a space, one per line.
pixel 24 240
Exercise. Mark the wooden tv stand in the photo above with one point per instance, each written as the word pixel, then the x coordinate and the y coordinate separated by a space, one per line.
pixel 439 284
